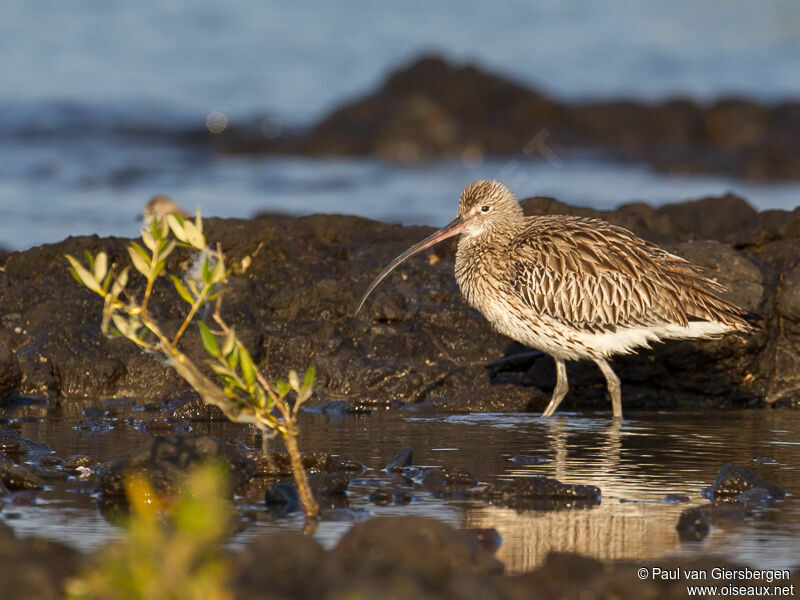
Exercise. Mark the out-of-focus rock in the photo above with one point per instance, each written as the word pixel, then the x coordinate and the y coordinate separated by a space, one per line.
pixel 433 108
pixel 34 568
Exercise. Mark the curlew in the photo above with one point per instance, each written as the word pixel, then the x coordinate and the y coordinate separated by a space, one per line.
pixel 572 287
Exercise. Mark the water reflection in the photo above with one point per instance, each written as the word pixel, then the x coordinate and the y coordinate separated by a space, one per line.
pixel 635 464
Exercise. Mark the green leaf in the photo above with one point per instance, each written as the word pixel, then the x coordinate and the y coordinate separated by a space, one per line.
pixel 74 274
pixel 100 266
pixel 159 267
pixel 175 223
pixel 233 357
pixel 149 240
pixel 222 371
pixel 206 270
pixel 84 276
pixel 139 258
pixel 310 376
pixel 194 235
pixel 228 344
pixel 166 248
pixel 155 229
pixel 120 281
pixel 294 381
pixel 122 324
pixel 218 273
pixel 198 220
pixel 181 289
pixel 282 387
pixel 209 339
pixel 248 369
pixel 261 397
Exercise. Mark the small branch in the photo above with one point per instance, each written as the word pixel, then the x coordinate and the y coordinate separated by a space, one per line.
pixel 148 290
pixel 310 506
pixel 199 301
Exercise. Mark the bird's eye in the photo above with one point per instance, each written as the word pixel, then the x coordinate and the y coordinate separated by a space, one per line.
pixel 485 209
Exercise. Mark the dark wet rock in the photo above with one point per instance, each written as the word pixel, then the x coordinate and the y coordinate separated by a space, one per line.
pixel 11 443
pixel 339 463
pixel 279 565
pixel 355 407
pixel 758 495
pixel 278 464
pixel 734 480
pixel 726 515
pixel 396 558
pixel 539 493
pixel 445 481
pixel 401 460
pixel 79 460
pixel 34 568
pixel 10 371
pixel 192 408
pixel 329 490
pixel 433 108
pixel 388 558
pixel 422 557
pixel 403 497
pixel 381 497
pixel 693 525
pixel 48 462
pixel 18 477
pixel 94 426
pixel 164 461
pixel 295 301
pixel 95 412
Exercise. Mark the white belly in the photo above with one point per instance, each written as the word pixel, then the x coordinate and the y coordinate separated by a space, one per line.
pixel 566 342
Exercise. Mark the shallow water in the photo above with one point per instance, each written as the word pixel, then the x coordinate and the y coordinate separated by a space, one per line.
pixel 85 187
pixel 636 464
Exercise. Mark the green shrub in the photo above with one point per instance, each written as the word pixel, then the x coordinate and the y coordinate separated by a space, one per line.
pixel 244 394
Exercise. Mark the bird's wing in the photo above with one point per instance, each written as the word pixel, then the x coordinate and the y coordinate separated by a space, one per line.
pixel 594 275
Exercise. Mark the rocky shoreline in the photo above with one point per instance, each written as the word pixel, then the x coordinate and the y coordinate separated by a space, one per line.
pixel 434 109
pixel 417 343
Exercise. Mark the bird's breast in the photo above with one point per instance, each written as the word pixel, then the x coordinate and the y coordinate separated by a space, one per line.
pixel 476 272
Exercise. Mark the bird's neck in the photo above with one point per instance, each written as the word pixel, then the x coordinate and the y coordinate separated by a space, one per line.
pixel 495 236
pixel 478 248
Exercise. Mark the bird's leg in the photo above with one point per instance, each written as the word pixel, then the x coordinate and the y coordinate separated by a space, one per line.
pixel 614 387
pixel 561 389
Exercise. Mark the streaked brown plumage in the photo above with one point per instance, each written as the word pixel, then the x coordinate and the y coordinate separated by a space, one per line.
pixel 573 287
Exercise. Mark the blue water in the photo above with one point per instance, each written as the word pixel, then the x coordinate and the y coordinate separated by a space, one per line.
pixel 92 93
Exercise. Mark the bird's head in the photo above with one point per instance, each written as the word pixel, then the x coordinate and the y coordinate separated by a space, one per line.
pixel 482 205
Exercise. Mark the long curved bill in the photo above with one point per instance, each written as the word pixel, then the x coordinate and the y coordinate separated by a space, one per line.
pixel 454 227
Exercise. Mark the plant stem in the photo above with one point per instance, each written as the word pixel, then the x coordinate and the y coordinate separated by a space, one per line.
pixel 310 506
pixel 195 307
pixel 147 292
